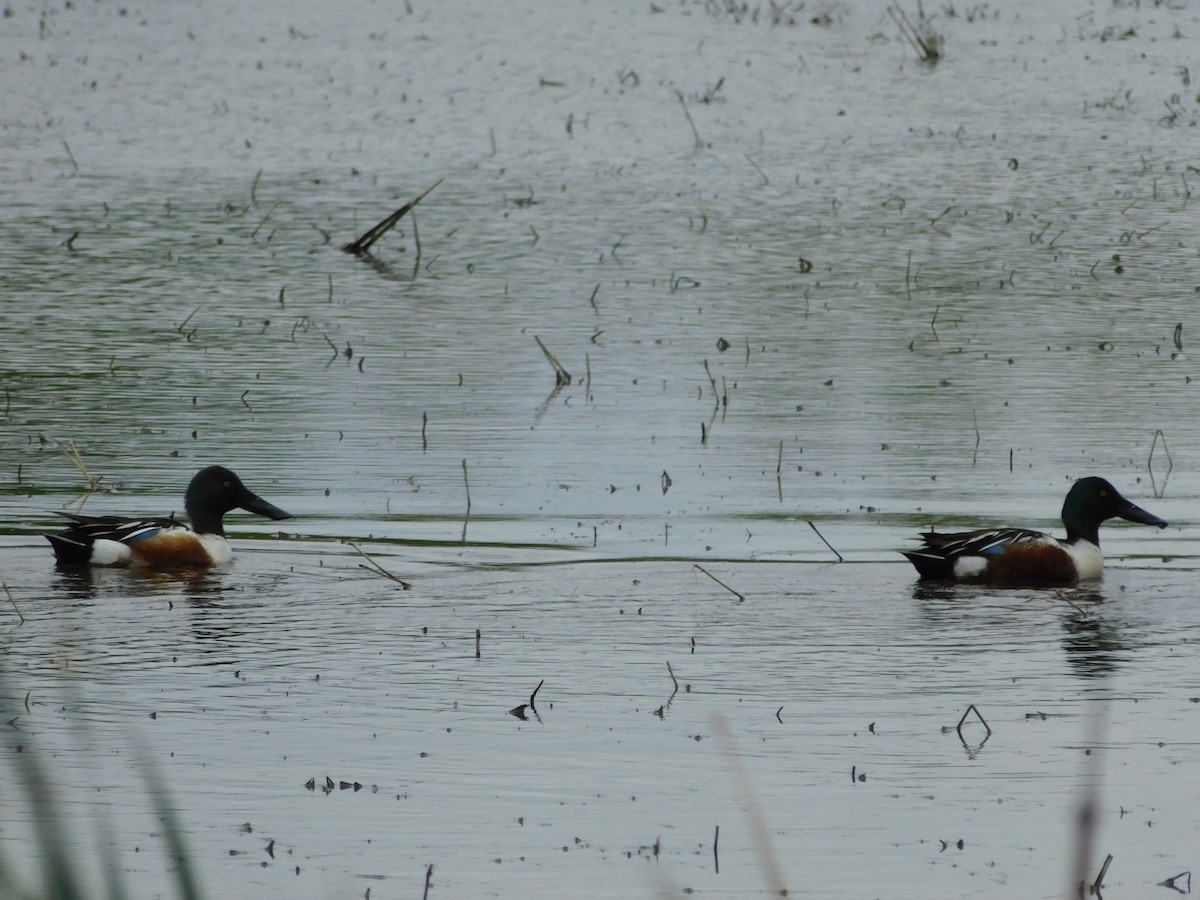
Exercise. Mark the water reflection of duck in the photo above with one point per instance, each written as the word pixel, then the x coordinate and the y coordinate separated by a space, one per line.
pixel 1021 556
pixel 159 542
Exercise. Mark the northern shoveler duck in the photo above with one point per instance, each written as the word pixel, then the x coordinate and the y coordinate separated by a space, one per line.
pixel 1020 556
pixel 164 543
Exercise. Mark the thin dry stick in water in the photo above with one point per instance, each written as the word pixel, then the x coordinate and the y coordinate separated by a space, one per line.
pixel 823 541
pixel 695 133
pixel 13 601
pixel 975 455
pixel 377 568
pixel 1158 492
pixel 363 245
pixel 719 581
pixel 561 376
pixel 467 485
pixel 972 709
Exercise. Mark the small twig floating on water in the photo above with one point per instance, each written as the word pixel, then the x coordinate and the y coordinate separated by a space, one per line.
pixel 740 597
pixel 562 377
pixel 823 541
pixel 377 568
pixel 363 245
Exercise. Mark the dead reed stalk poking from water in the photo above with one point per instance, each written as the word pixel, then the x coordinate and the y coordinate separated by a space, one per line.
pixel 975 455
pixel 978 714
pixel 13 601
pixel 92 480
pixel 428 881
pixel 377 568
pixel 562 377
pixel 695 134
pixel 1158 492
pixel 467 517
pixel 740 597
pixel 825 542
pixel 363 245
pixel 922 36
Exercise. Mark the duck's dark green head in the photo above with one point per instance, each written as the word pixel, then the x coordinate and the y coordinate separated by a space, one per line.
pixel 1092 501
pixel 215 491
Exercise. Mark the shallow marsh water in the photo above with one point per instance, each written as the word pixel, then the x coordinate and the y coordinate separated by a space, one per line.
pixel 1001 299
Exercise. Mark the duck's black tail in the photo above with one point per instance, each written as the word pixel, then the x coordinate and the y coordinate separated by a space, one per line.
pixel 68 552
pixel 932 568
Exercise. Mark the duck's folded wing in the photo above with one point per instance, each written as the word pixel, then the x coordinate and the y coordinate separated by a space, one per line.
pixel 87 529
pixel 988 542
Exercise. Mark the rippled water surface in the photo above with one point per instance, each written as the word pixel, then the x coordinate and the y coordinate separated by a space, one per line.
pixel 795 275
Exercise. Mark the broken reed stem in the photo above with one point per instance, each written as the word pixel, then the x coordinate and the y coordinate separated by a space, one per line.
pixel 825 542
pixel 13 601
pixel 975 455
pixel 424 425
pixel 765 179
pixel 191 315
pixel 71 156
pixel 93 482
pixel 533 696
pixel 467 485
pixel 1099 882
pixel 696 134
pixel 417 241
pixel 671 672
pixel 254 234
pixel 716 859
pixel 478 638
pixel 1150 460
pixel 719 581
pixel 428 880
pixel 972 709
pixel 926 50
pixel 377 568
pixel 562 377
pixel 363 245
pixel 713 382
